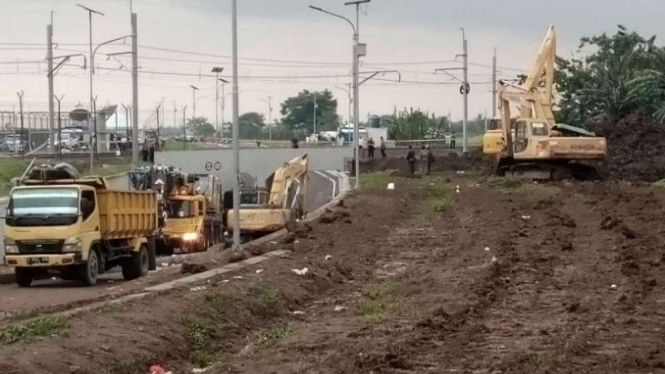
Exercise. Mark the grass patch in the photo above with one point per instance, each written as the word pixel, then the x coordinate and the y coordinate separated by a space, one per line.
pixel 204 360
pixel 49 326
pixel 375 180
pixel 660 183
pixel 376 304
pixel 10 168
pixel 438 195
pixel 276 334
pixel 268 297
pixel 498 182
pixel 198 333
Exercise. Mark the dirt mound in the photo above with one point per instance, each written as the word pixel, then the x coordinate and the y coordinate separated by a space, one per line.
pixel 448 161
pixel 636 148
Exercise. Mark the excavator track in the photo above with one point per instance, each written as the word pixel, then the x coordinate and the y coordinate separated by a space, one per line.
pixel 546 171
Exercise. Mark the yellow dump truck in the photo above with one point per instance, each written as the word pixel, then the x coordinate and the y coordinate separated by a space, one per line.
pixel 78 228
pixel 190 207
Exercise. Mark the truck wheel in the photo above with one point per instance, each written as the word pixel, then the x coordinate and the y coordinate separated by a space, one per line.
pixel 90 270
pixel 23 277
pixel 137 266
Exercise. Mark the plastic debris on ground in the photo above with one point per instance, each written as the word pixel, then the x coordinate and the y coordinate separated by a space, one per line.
pixel 328 257
pixel 487 249
pixel 156 369
pixel 302 271
pixel 298 312
pixel 391 186
pixel 613 286
pixel 494 259
pixel 526 218
pixel 198 288
pixel 339 308
pixel 259 271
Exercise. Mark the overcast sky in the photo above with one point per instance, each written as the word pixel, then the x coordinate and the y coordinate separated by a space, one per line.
pixel 286 47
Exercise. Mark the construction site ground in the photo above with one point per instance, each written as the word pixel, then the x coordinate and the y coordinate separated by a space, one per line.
pixel 454 273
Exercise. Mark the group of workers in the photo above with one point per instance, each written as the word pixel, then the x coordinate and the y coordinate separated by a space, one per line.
pixel 426 160
pixel 371 146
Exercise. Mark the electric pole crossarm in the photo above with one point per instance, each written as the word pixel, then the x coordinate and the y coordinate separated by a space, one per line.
pixel 375 73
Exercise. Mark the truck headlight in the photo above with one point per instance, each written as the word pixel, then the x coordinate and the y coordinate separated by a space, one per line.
pixel 11 247
pixel 72 245
pixel 190 236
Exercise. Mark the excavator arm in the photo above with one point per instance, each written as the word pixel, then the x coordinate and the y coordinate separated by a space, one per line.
pixel 292 171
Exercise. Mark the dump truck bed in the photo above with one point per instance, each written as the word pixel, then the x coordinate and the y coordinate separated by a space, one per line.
pixel 124 214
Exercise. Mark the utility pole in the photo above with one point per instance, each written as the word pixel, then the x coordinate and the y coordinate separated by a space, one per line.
pixel 184 128
pixel 494 85
pixel 270 118
pixel 49 41
pixel 135 90
pixel 158 107
pixel 91 117
pixel 194 89
pixel 269 102
pixel 59 126
pixel 20 140
pixel 236 127
pixel 466 91
pixel 356 86
pixel 315 106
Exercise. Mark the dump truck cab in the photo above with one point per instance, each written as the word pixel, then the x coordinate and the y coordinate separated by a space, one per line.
pixel 186 224
pixel 79 229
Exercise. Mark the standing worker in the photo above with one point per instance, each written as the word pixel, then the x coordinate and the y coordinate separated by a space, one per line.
pixel 151 150
pixel 423 160
pixel 361 147
pixel 383 148
pixel 411 159
pixel 452 140
pixel 430 160
pixel 370 148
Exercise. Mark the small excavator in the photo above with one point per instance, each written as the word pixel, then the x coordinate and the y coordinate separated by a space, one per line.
pixel 266 210
pixel 533 145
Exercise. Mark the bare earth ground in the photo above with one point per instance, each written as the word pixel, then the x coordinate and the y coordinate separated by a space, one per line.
pixel 498 278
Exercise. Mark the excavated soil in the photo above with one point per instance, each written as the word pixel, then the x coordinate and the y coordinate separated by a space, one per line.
pixel 636 148
pixel 509 278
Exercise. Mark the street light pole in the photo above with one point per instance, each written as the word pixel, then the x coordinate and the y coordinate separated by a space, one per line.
pixel 217 70
pixel 92 71
pixel 236 123
pixel 356 91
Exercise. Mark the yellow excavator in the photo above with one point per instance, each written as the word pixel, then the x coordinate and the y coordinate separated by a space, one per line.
pixel 266 210
pixel 533 145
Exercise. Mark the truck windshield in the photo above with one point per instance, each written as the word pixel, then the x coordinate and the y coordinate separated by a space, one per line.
pixel 44 202
pixel 180 209
pixel 43 207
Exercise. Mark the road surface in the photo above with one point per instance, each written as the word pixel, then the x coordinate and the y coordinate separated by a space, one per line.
pixel 54 293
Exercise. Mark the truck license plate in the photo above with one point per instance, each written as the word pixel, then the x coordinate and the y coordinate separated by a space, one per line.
pixel 37 260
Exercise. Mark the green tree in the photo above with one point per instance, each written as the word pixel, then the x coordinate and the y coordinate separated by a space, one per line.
pixel 200 126
pixel 298 111
pixel 611 82
pixel 252 125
